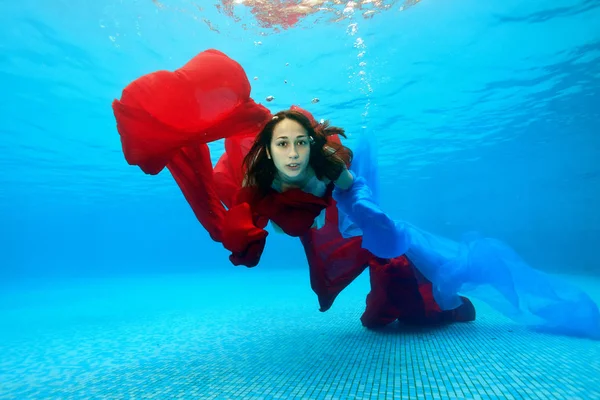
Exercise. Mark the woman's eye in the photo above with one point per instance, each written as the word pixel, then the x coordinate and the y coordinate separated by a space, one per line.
pixel 282 144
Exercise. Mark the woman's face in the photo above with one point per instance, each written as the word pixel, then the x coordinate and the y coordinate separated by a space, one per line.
pixel 290 150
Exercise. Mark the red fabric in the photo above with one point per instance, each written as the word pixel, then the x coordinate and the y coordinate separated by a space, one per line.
pixel 228 172
pixel 205 100
pixel 190 168
pixel 394 293
pixel 242 236
pixel 334 261
pixel 293 210
pixel 167 119
pixel 399 291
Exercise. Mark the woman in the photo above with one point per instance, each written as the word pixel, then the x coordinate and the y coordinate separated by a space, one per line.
pixel 292 169
pixel 288 169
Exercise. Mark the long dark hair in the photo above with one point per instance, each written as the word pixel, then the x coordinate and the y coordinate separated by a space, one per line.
pixel 327 161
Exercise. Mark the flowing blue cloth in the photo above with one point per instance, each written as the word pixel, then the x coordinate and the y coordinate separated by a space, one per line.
pixel 480 267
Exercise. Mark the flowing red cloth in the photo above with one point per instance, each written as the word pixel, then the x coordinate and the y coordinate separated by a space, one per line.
pixel 167 118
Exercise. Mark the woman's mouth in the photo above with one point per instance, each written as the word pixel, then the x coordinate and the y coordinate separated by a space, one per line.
pixel 293 166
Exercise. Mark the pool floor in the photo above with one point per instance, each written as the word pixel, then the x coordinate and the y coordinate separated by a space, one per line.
pixel 256 334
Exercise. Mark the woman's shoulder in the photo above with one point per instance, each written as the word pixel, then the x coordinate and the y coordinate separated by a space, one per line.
pixel 317 187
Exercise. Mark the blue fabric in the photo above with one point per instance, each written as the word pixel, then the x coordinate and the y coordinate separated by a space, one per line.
pixel 478 267
pixel 363 164
pixel 381 235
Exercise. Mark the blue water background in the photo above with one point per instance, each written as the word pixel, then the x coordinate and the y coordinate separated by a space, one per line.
pixel 486 115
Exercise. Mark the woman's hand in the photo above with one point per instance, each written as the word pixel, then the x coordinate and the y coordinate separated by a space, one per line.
pixel 345 180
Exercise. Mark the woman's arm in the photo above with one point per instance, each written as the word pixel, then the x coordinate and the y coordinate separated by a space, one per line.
pixel 243 230
pixel 382 236
pixel 345 180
